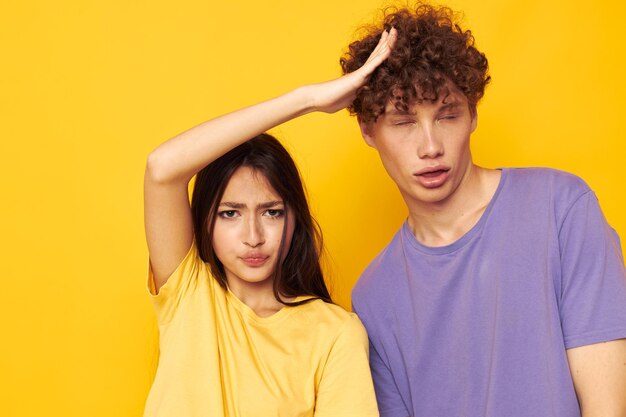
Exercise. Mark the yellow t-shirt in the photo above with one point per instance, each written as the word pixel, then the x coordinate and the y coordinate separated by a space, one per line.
pixel 218 358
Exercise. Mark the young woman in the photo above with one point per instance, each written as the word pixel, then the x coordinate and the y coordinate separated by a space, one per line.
pixel 247 327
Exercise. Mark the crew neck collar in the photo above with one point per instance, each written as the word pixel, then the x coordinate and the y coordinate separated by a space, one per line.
pixel 408 236
pixel 247 311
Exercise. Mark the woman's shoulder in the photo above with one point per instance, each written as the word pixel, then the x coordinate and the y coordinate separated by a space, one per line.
pixel 190 282
pixel 320 308
pixel 330 318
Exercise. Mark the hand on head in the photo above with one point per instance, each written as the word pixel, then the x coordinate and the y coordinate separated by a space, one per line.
pixel 332 96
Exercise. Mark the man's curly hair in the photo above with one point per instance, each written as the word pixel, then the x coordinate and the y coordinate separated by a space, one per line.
pixel 430 50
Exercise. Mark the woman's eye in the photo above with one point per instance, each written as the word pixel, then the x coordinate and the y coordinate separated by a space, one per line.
pixel 228 214
pixel 275 213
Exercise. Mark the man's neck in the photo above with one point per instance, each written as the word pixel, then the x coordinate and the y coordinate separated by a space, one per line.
pixel 444 222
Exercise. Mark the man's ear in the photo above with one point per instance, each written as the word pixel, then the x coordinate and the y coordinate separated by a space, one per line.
pixel 474 115
pixel 366 132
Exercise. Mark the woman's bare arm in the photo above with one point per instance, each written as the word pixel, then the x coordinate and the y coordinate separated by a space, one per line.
pixel 170 167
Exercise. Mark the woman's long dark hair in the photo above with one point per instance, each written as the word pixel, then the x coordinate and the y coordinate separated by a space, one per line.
pixel 299 273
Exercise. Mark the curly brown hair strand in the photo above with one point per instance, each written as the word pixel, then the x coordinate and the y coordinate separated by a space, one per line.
pixel 430 51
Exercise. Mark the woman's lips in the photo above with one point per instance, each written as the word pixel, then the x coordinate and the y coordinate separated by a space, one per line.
pixel 255 261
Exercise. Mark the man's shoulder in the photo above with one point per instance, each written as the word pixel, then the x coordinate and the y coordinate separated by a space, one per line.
pixel 549 182
pixel 373 278
pixel 547 177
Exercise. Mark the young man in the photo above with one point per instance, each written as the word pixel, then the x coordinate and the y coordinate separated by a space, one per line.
pixel 504 292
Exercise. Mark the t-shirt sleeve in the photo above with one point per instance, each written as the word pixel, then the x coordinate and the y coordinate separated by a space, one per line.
pixel 390 402
pixel 593 282
pixel 388 396
pixel 180 284
pixel 346 387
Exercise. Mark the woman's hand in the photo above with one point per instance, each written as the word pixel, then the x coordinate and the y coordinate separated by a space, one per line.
pixel 169 226
pixel 332 96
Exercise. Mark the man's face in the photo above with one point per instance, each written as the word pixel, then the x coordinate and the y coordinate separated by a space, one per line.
pixel 425 150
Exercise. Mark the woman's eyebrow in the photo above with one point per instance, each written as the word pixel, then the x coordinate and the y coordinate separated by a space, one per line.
pixel 271 204
pixel 266 205
pixel 232 204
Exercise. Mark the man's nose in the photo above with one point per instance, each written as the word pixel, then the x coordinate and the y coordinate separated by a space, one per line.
pixel 428 144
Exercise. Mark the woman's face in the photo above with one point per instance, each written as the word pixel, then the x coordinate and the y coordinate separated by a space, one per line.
pixel 249 228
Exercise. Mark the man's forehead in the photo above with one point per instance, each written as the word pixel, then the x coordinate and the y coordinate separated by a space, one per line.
pixel 446 97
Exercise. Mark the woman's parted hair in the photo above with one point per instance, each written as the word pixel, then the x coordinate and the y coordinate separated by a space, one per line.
pixel 431 49
pixel 299 274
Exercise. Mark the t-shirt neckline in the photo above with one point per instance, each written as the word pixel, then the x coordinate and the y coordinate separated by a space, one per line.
pixel 467 237
pixel 247 311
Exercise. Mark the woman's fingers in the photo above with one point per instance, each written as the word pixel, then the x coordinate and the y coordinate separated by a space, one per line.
pixel 383 42
pixel 337 94
pixel 381 51
pixel 384 46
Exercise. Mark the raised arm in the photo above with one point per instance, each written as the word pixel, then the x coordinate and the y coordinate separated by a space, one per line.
pixel 170 167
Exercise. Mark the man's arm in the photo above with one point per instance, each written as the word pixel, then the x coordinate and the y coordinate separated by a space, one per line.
pixel 599 374
pixel 390 403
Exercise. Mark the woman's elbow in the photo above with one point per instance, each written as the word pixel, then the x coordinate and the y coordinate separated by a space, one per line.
pixel 158 171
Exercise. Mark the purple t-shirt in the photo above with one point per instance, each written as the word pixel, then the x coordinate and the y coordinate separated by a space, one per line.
pixel 481 327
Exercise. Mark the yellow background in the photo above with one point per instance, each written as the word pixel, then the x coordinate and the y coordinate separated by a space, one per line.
pixel 88 88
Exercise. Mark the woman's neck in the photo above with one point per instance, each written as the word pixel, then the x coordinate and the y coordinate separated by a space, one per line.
pixel 259 296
